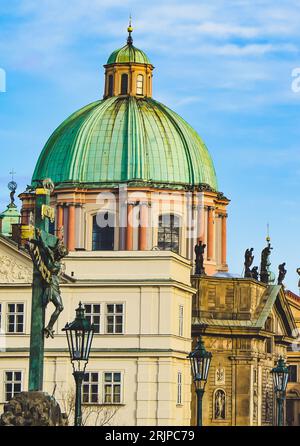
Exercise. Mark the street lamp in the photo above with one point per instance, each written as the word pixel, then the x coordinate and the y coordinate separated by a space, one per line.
pixel 79 335
pixel 200 363
pixel 280 375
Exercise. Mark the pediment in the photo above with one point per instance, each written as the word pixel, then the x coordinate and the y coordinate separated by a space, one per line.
pixel 15 264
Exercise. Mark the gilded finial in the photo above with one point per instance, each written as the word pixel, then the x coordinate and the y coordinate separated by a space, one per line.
pixel 130 30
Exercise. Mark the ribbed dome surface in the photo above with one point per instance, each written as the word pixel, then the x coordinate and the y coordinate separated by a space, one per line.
pixel 123 139
pixel 128 54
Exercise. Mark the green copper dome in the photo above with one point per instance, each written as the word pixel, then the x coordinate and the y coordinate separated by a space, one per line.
pixel 126 139
pixel 128 54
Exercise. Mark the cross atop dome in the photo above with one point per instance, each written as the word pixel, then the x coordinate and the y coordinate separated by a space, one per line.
pixel 130 30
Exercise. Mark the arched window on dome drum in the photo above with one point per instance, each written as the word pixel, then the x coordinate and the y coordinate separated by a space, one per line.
pixel 140 85
pixel 168 233
pixel 124 84
pixel 110 85
pixel 103 237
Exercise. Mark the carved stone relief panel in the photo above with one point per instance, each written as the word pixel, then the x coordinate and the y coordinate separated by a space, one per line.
pixel 12 271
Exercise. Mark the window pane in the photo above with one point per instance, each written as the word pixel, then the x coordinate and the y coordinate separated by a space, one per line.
pixel 124 84
pixel 110 85
pixel 103 237
pixel 20 308
pixel 9 376
pixel 110 308
pixel 119 329
pixel 117 377
pixel 94 398
pixel 95 377
pixel 85 398
pixel 119 308
pixel 17 388
pixel 108 377
pixel 11 308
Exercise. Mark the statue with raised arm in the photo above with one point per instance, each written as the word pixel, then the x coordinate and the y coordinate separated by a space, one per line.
pixel 265 263
pixel 249 257
pixel 199 252
pixel 51 271
pixel 282 273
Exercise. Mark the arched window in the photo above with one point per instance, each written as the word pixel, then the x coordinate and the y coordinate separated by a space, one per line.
pixel 124 84
pixel 140 84
pixel 219 402
pixel 103 235
pixel 168 233
pixel 110 85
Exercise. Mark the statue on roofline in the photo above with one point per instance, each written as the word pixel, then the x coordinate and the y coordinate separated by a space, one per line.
pixel 249 257
pixel 265 263
pixel 282 273
pixel 199 252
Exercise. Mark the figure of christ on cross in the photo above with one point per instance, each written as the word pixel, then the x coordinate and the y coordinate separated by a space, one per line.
pixel 50 260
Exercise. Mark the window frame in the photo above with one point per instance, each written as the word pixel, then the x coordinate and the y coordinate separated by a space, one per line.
pixel 93 314
pixel 113 383
pixel 295 368
pixel 113 229
pixel 122 85
pixel 140 80
pixel 175 231
pixel 8 313
pixel 13 382
pixel 110 85
pixel 114 315
pixel 90 383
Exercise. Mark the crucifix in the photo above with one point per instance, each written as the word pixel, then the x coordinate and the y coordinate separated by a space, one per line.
pixel 47 252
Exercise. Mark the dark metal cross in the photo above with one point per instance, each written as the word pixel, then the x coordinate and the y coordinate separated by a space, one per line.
pixel 12 173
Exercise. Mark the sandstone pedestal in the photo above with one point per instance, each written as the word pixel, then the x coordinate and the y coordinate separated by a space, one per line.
pixel 33 409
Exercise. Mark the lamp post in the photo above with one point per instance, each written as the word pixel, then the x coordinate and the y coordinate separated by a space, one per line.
pixel 280 375
pixel 200 363
pixel 79 335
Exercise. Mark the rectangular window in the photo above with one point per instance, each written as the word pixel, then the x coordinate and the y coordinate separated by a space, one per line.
pixel 292 373
pixel 180 320
pixel 92 314
pixel 112 388
pixel 13 384
pixel 140 84
pixel 15 318
pixel 179 388
pixel 114 318
pixel 90 388
pixel 269 346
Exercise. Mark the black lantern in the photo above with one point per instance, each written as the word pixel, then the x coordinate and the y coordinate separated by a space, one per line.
pixel 80 336
pixel 200 362
pixel 280 375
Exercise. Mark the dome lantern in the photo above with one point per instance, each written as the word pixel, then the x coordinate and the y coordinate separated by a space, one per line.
pixel 128 71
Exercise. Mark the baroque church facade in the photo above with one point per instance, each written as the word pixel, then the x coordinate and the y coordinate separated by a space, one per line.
pixel 135 191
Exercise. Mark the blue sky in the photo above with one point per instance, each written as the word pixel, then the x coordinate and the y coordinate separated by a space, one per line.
pixel 225 66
